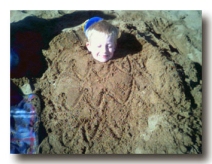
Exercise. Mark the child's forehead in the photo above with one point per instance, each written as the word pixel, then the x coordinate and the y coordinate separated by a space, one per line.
pixel 101 37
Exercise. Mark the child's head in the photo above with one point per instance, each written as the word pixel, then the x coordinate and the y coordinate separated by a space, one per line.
pixel 102 39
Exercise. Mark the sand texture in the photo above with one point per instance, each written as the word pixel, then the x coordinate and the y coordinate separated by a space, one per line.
pixel 146 100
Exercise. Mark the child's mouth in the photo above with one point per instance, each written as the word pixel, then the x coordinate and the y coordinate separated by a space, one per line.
pixel 104 56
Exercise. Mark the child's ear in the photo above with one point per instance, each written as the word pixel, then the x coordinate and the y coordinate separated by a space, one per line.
pixel 88 46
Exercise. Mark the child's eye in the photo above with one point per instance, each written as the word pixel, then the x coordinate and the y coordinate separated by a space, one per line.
pixel 99 46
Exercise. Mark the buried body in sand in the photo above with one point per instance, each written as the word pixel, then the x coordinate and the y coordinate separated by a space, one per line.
pixel 131 99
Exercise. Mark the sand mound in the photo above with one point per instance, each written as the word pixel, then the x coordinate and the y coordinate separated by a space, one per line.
pixel 132 104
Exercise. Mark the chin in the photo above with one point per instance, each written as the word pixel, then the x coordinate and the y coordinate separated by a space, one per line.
pixel 102 59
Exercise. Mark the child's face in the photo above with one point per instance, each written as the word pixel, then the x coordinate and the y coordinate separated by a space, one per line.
pixel 101 46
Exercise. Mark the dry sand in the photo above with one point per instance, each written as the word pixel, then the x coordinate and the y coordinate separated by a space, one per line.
pixel 147 100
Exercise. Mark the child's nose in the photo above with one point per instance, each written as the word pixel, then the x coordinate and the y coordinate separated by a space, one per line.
pixel 104 49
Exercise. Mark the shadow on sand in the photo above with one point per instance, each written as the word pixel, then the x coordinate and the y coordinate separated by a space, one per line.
pixel 127 44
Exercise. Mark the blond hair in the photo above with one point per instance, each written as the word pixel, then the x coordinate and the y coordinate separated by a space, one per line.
pixel 103 27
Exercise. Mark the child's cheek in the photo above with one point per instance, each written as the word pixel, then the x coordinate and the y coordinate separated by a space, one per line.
pixel 95 52
pixel 112 50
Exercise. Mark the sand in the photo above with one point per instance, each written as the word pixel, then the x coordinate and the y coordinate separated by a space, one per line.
pixel 146 100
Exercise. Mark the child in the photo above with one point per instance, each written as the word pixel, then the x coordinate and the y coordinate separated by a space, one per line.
pixel 102 38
